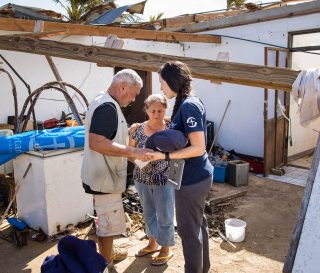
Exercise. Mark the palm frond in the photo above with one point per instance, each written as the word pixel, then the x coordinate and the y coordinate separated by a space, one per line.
pixel 156 17
pixel 60 3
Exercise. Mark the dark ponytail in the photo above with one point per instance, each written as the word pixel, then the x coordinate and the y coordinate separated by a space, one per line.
pixel 178 77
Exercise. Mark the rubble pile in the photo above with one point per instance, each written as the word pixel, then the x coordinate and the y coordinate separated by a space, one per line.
pixel 216 214
pixel 132 206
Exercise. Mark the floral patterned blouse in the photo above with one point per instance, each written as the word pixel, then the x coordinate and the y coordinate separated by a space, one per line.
pixel 156 172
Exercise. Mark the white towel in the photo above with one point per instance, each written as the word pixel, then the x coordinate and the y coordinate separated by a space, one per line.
pixel 306 92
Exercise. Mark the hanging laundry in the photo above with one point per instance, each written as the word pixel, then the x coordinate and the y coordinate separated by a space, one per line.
pixel 306 92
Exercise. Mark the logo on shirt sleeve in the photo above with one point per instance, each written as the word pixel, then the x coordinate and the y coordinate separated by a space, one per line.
pixel 191 121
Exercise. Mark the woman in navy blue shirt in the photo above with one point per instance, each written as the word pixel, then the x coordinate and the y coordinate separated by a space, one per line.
pixel 189 117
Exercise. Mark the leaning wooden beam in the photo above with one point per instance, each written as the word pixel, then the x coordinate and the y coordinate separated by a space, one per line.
pixel 244 74
pixel 90 30
pixel 253 17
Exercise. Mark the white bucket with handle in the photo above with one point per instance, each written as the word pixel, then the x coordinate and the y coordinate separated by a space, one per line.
pixel 235 229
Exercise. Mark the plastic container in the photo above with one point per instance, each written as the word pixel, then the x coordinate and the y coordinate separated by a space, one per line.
pixel 235 229
pixel 17 223
pixel 219 173
pixel 238 172
pixel 7 167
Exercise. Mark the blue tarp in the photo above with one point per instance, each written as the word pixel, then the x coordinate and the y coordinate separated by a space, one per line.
pixel 58 138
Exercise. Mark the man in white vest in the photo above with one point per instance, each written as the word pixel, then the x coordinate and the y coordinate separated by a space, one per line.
pixel 104 166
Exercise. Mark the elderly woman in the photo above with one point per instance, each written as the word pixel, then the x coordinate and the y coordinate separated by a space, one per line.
pixel 156 195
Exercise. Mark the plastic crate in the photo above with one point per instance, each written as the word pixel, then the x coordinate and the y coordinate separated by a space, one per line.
pixel 219 174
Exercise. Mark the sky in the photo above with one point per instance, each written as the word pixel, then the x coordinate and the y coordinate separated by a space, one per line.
pixel 153 7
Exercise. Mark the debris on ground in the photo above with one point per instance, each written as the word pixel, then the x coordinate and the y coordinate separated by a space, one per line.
pixel 217 208
pixel 133 207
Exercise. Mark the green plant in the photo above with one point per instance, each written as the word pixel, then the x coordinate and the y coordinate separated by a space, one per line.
pixel 154 18
pixel 76 8
pixel 235 3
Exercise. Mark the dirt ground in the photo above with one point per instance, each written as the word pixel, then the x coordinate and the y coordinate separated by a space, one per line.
pixel 270 209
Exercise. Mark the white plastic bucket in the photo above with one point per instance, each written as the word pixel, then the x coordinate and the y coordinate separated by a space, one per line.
pixel 235 229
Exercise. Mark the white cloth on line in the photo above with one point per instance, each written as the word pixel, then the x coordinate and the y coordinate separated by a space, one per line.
pixel 306 92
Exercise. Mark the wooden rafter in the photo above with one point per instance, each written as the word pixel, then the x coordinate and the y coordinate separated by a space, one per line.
pixel 90 30
pixel 183 20
pixel 253 17
pixel 283 3
pixel 45 34
pixel 244 74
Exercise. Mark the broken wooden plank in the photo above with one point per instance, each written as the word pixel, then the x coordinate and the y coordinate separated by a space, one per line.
pixel 237 73
pixel 91 30
pixel 182 20
pixel 225 238
pixel 223 198
pixel 282 3
pixel 253 17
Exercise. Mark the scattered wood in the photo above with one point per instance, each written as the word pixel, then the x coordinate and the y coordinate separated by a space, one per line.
pixel 220 199
pixel 225 239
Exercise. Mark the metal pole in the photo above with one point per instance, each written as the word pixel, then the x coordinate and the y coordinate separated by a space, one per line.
pixel 215 137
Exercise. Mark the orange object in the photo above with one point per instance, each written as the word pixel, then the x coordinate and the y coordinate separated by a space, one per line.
pixel 72 122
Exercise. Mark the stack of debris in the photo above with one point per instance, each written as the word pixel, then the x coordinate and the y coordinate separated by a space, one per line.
pixel 133 207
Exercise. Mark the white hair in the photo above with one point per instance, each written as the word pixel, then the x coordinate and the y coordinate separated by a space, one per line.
pixel 129 76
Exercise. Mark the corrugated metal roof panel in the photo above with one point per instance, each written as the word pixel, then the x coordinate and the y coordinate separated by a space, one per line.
pixel 110 16
pixel 26 13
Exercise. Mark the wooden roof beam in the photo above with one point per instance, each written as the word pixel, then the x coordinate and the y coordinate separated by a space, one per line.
pixel 244 74
pixel 45 34
pixel 91 30
pixel 253 17
pixel 182 20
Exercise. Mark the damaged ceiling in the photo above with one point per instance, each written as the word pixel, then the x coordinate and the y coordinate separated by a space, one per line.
pixel 252 75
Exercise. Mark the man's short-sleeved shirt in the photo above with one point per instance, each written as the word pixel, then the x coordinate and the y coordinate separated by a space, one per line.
pixel 104 121
pixel 191 117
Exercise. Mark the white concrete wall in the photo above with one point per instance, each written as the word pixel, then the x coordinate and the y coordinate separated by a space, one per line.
pixel 36 71
pixel 89 78
pixel 243 128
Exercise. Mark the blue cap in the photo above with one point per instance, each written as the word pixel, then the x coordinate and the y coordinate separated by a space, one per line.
pixel 167 141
